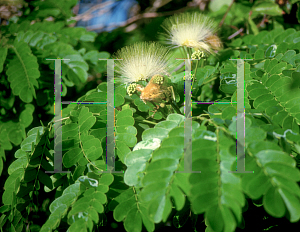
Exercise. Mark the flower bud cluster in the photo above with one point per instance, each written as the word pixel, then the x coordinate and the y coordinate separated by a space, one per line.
pixel 192 77
pixel 131 89
pixel 197 55
pixel 158 79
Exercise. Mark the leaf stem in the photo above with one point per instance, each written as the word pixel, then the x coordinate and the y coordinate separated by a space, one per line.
pixel 52 121
pixel 211 121
pixel 85 156
pixel 175 107
pixel 197 62
pixel 147 121
pixel 210 80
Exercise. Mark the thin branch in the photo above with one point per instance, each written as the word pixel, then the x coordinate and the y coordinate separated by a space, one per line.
pixel 262 21
pixel 234 27
pixel 158 4
pixel 146 121
pixel 235 33
pixel 87 14
pixel 228 9
pixel 140 16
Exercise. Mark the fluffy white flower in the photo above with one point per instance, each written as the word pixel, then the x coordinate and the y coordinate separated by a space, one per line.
pixel 193 30
pixel 141 61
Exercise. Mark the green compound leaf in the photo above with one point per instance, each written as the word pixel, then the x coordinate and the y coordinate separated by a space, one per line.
pixel 207 195
pixel 22 72
pixel 136 163
pixel 141 105
pixel 45 179
pixel 133 215
pixel 153 150
pixel 90 204
pixel 281 37
pixel 126 132
pixel 77 68
pixel 169 125
pixel 26 117
pixel 85 120
pixel 151 144
pixel 229 112
pixel 12 181
pixel 119 100
pixel 15 132
pixel 121 90
pixel 175 117
pixel 228 78
pixel 71 157
pixel 280 180
pixel 125 121
pixel 65 199
pixel 136 159
pixel 91 147
pixel 122 150
pixel 164 162
pixel 282 48
pixel 152 133
pixel 275 97
pixel 27 143
pixel 129 139
pixel 259 54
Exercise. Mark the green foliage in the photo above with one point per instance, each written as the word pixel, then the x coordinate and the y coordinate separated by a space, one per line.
pixel 151 185
pixel 27 75
pixel 23 68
